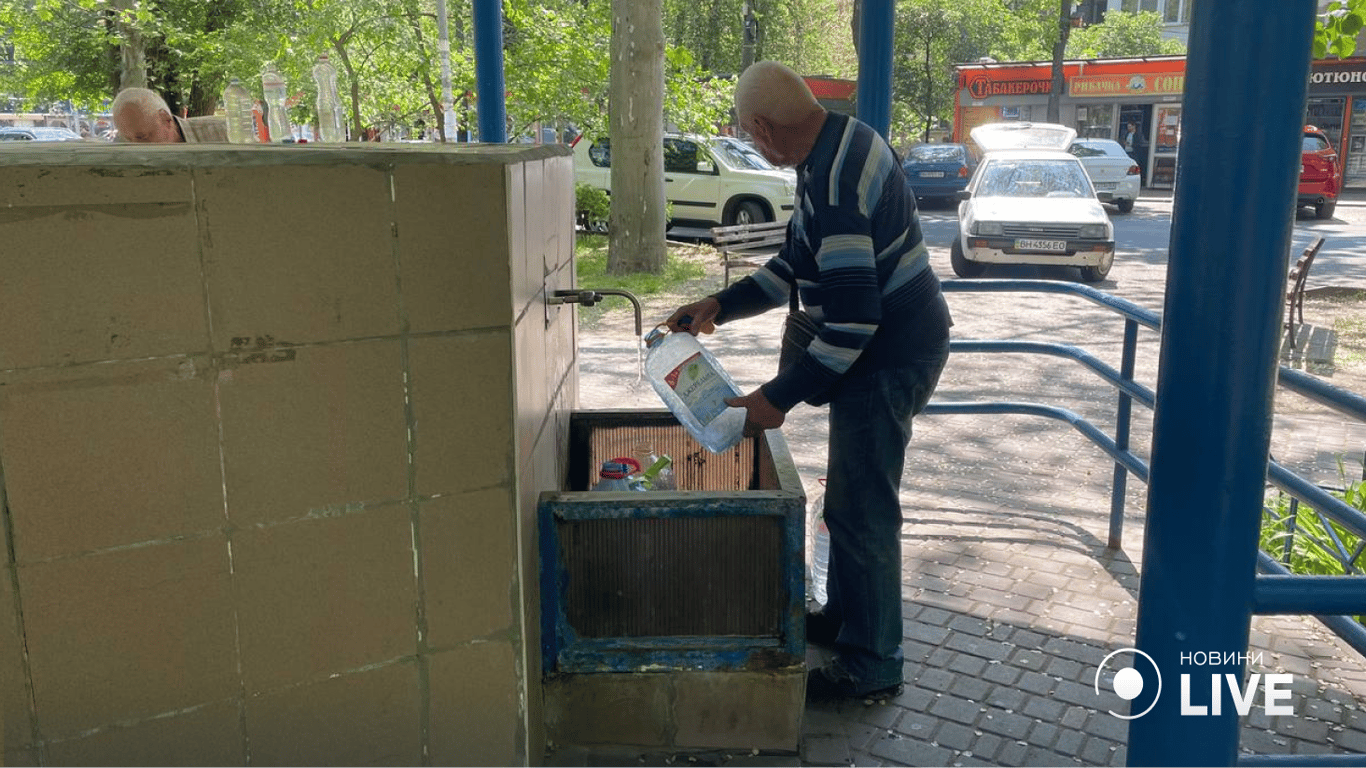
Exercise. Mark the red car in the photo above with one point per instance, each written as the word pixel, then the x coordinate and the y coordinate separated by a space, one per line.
pixel 1320 174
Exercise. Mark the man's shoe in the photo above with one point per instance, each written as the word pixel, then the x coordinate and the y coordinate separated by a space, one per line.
pixel 821 629
pixel 832 683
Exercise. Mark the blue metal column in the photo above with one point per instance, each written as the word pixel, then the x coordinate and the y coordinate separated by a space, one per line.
pixel 1246 83
pixel 488 70
pixel 875 64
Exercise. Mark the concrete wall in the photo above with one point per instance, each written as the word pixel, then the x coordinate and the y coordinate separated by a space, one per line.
pixel 273 421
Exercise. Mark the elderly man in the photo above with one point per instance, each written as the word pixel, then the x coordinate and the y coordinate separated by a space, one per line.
pixel 856 257
pixel 141 116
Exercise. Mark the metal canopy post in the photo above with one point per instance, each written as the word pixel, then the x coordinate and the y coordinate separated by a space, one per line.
pixel 1230 244
pixel 876 24
pixel 488 70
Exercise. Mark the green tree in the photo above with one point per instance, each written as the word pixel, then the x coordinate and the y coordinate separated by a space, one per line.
pixel 1337 29
pixel 932 36
pixel 1122 34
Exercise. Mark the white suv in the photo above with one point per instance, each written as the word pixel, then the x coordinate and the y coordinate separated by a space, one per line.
pixel 710 181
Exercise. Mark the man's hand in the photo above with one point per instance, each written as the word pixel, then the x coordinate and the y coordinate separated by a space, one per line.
pixel 702 313
pixel 760 413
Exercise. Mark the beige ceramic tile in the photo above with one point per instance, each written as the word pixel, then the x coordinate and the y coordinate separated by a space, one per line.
pixel 17 730
pixel 323 428
pixel 114 455
pixel 533 379
pixel 46 184
pixel 129 634
pixel 25 757
pixel 528 210
pixel 474 713
pixel 81 283
pixel 299 253
pixel 211 735
pixel 609 709
pixel 366 718
pixel 462 405
pixel 469 565
pixel 324 596
pixel 453 246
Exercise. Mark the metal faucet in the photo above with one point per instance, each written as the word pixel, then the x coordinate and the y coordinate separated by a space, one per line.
pixel 590 297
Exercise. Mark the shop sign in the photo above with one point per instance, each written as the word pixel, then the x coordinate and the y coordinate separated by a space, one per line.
pixel 1337 79
pixel 1126 85
pixel 982 86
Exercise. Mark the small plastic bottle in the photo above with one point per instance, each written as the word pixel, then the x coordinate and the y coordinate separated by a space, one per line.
pixel 692 383
pixel 277 116
pixel 818 549
pixel 241 123
pixel 656 472
pixel 615 475
pixel 329 105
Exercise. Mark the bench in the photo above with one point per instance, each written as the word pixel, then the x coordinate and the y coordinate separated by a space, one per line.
pixel 1294 294
pixel 748 245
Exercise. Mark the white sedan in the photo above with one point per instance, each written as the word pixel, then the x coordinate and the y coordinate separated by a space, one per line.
pixel 1031 206
pixel 1114 174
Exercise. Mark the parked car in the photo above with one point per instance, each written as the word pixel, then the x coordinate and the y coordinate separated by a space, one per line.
pixel 1320 174
pixel 1030 202
pixel 710 181
pixel 39 133
pixel 1113 173
pixel 938 170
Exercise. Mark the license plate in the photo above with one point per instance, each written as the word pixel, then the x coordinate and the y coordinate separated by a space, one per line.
pixel 931 174
pixel 1041 245
pixel 1106 184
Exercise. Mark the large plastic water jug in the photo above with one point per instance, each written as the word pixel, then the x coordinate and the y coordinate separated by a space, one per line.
pixel 694 386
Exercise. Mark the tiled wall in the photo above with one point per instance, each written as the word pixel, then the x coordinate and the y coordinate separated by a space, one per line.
pixel 272 426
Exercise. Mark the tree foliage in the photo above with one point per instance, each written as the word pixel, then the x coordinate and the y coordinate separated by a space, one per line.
pixel 1337 29
pixel 1122 34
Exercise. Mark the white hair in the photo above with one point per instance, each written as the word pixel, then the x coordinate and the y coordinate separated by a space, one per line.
pixel 774 91
pixel 145 100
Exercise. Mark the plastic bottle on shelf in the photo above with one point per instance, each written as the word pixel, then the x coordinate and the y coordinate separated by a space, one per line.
pixel 238 103
pixel 277 116
pixel 616 473
pixel 329 105
pixel 818 549
pixel 692 383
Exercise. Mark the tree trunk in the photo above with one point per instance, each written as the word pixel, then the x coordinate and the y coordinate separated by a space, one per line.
pixel 929 91
pixel 133 64
pixel 1059 47
pixel 636 112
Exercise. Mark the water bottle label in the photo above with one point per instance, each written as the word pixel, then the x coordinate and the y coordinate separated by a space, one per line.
pixel 701 388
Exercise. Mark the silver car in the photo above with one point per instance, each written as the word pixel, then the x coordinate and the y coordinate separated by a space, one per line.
pixel 1114 174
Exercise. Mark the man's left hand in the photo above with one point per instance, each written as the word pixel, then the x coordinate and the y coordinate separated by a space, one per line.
pixel 760 414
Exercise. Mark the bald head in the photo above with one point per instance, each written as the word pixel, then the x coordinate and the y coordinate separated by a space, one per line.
pixel 141 115
pixel 774 105
pixel 772 90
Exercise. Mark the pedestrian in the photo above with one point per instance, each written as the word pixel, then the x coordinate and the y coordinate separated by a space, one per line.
pixel 1136 146
pixel 141 116
pixel 855 255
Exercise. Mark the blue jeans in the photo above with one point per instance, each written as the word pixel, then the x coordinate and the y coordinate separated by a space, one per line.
pixel 870 427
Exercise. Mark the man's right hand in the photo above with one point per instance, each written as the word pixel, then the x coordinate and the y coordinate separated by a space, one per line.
pixel 701 317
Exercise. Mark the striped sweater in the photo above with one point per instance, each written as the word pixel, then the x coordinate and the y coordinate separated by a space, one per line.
pixel 863 274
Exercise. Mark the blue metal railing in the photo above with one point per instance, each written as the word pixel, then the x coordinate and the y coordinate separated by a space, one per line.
pixel 1329 598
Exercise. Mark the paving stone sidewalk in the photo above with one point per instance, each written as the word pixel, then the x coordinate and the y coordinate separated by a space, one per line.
pixel 1011 597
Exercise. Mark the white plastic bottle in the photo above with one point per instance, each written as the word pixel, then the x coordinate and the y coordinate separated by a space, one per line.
pixel 329 105
pixel 241 123
pixel 277 117
pixel 615 475
pixel 818 549
pixel 692 383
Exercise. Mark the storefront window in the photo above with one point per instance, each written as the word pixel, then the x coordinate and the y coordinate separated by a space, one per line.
pixel 1095 121
pixel 1327 115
